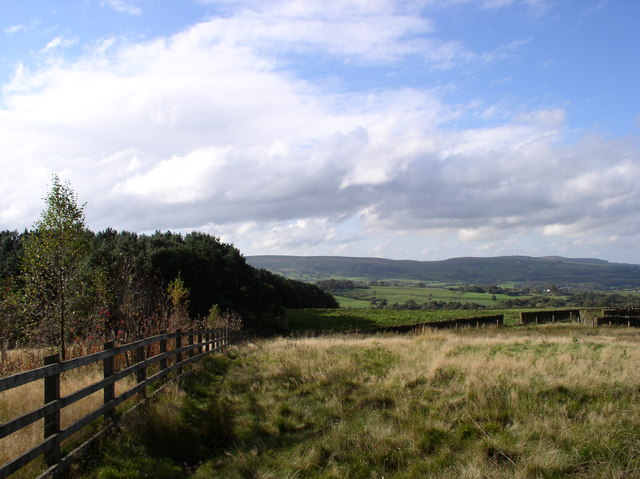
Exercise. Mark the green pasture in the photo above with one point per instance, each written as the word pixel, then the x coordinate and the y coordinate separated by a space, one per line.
pixel 361 298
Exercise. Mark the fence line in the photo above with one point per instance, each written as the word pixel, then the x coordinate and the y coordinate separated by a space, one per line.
pixel 199 344
pixel 457 323
pixel 629 317
pixel 546 316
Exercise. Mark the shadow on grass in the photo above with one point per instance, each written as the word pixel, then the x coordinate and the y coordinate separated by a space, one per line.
pixel 170 435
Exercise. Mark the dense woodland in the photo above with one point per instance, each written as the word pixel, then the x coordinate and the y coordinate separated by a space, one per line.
pixel 60 282
pixel 124 274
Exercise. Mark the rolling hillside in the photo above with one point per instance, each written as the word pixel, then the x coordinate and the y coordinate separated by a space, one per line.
pixel 579 272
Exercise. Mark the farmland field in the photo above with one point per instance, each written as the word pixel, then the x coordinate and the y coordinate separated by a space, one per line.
pixel 530 402
pixel 367 297
pixel 400 294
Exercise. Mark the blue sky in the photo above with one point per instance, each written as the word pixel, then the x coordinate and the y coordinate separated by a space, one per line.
pixel 418 129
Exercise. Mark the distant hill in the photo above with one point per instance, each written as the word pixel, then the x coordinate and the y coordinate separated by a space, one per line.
pixel 579 272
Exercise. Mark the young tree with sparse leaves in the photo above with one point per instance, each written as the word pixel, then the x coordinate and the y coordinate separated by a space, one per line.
pixel 51 264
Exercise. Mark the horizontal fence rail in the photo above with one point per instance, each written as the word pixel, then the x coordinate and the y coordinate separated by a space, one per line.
pixel 543 317
pixel 198 345
pixel 458 323
pixel 629 317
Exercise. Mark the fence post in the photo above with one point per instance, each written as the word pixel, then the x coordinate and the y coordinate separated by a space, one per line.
pixel 109 391
pixel 52 421
pixel 178 346
pixel 200 343
pixel 141 374
pixel 207 338
pixel 163 349
pixel 191 344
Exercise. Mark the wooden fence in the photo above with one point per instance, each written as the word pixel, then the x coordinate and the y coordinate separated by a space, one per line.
pixel 144 353
pixel 542 317
pixel 458 323
pixel 629 317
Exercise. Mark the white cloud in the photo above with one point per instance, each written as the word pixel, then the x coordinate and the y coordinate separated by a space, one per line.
pixel 123 6
pixel 57 43
pixel 204 129
pixel 13 29
pixel 352 30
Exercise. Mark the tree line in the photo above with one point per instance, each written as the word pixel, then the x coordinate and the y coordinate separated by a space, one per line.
pixel 333 285
pixel 61 281
pixel 413 305
pixel 585 299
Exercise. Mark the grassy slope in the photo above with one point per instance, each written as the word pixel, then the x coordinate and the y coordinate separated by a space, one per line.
pixel 552 401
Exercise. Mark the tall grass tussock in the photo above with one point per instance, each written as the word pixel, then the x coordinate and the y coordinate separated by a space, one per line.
pixel 529 402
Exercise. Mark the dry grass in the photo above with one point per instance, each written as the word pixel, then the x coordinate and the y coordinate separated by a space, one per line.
pixel 22 359
pixel 23 399
pixel 549 401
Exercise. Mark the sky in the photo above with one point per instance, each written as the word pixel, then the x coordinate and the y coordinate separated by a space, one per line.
pixel 407 129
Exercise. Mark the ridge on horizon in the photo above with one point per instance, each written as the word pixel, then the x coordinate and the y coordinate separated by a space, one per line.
pixel 585 273
pixel 546 257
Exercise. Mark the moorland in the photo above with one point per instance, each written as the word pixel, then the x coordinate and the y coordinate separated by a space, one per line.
pixel 549 401
pixel 309 395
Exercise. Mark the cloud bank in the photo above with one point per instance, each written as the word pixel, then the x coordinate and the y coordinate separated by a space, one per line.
pixel 213 129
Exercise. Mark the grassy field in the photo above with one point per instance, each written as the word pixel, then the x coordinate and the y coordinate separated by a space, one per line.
pixel 549 401
pixel 400 294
